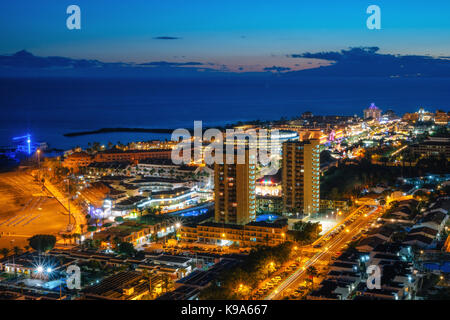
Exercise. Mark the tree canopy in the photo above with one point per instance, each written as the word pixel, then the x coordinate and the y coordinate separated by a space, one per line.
pixel 42 242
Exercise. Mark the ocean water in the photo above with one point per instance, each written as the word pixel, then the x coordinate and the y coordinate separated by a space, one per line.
pixel 48 108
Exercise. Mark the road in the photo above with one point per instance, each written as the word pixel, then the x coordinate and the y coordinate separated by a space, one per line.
pixel 330 248
pixel 76 213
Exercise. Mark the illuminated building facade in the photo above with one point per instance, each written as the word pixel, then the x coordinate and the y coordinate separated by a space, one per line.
pixel 372 112
pixel 132 155
pixel 424 115
pixel 83 159
pixel 76 160
pixel 441 118
pixel 234 190
pixel 301 176
pixel 251 234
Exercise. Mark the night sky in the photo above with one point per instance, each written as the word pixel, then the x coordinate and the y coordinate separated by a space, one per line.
pixel 235 33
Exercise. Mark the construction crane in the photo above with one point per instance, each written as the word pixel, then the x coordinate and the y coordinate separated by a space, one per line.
pixel 27 139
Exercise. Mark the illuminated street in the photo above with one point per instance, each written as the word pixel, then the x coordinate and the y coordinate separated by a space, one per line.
pixel 328 249
pixel 225 159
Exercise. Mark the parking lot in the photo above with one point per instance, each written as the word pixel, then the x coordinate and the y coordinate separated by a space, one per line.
pixel 26 210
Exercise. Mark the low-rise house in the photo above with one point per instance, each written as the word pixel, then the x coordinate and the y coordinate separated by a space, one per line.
pixel 384 233
pixel 125 285
pixel 344 266
pixel 380 294
pixel 353 276
pixel 333 289
pixel 76 160
pixel 369 243
pixel 425 231
pixel 383 258
pixel 189 287
pixel 251 234
pixel 435 219
pixel 131 232
pixel 418 240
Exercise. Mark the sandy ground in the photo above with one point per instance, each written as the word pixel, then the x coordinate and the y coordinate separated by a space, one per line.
pixel 26 210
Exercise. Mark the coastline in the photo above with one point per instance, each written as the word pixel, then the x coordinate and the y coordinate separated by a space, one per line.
pixel 110 130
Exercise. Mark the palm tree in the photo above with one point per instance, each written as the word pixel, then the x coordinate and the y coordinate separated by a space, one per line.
pixel 4 252
pixel 64 236
pixel 312 272
pixel 17 250
pixel 76 236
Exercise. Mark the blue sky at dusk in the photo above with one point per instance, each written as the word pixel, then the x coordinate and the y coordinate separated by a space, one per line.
pixel 222 32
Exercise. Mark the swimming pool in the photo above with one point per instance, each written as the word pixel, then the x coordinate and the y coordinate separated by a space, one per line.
pixel 267 217
pixel 445 267
pixel 193 212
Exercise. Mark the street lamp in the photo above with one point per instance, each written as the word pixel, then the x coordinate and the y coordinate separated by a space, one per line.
pixel 68 197
pixel 38 151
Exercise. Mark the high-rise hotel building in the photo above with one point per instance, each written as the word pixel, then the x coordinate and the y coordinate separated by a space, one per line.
pixel 234 190
pixel 372 112
pixel 301 176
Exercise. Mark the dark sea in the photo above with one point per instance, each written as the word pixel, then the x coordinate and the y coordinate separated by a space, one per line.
pixel 48 108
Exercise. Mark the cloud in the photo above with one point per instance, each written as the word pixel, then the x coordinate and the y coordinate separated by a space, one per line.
pixel 26 64
pixel 358 53
pixel 166 38
pixel 352 62
pixel 170 64
pixel 367 61
pixel 277 69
